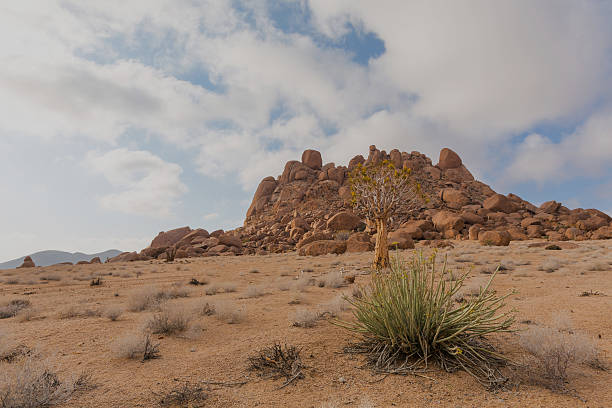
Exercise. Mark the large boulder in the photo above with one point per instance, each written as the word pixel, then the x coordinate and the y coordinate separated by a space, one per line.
pixel 27 263
pixel 495 238
pixel 592 223
pixel 499 202
pixel 359 242
pixel 262 195
pixel 602 233
pixel 343 221
pixel 400 239
pixel 230 240
pixel 169 238
pixel 355 161
pixel 454 198
pixel 129 257
pixel 313 236
pixel 317 248
pixel 445 220
pixel 550 207
pixel 449 159
pixel 194 237
pixel 312 159
pixel 95 260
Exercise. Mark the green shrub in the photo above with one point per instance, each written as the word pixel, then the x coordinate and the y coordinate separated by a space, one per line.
pixel 408 318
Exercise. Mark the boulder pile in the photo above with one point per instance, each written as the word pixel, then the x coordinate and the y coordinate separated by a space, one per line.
pixel 307 208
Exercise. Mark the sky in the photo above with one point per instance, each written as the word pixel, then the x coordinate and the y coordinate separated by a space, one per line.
pixel 120 119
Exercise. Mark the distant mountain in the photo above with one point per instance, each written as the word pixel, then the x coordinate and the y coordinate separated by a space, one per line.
pixel 46 258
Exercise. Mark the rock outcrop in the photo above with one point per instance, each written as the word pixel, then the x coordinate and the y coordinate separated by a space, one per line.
pixel 27 263
pixel 307 208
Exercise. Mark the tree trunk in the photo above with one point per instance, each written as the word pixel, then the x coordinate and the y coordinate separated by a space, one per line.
pixel 381 252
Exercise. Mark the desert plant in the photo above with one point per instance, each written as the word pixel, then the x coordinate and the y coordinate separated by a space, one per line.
pixel 408 318
pixel 113 312
pixel 136 345
pixel 96 282
pixel 170 320
pixel 187 395
pixel 229 312
pixel 277 362
pixel 170 254
pixel 34 384
pixel 255 291
pixel 556 351
pixel 12 307
pixel 377 191
pixel 332 280
pixel 305 318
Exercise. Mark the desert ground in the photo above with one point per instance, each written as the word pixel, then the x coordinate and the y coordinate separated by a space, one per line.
pixel 259 298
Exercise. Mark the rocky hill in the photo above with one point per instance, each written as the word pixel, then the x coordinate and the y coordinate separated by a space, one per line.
pixel 307 207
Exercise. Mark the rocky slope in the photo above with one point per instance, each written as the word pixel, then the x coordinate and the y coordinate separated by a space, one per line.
pixel 307 208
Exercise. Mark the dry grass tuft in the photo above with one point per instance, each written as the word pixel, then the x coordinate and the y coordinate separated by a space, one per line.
pixel 35 384
pixel 277 362
pixel 136 346
pixel 229 312
pixel 13 307
pixel 187 395
pixel 305 318
pixel 555 352
pixel 255 291
pixel 332 280
pixel 151 297
pixel 170 320
pixel 113 312
pixel 75 311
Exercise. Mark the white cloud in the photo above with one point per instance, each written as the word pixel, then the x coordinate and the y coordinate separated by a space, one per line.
pixel 465 75
pixel 586 152
pixel 211 216
pixel 148 185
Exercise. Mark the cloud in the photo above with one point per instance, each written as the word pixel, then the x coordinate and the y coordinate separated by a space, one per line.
pixel 211 216
pixel 148 185
pixel 471 76
pixel 585 152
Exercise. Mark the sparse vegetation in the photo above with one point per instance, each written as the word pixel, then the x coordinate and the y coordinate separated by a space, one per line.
pixel 255 291
pixel 151 297
pixel 305 318
pixel 332 280
pixel 170 320
pixel 136 345
pixel 13 307
pixel 33 384
pixel 555 352
pixel 113 313
pixel 408 319
pixel 187 395
pixel 277 362
pixel 229 312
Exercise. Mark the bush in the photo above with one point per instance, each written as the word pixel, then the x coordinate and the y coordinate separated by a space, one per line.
pixel 305 318
pixel 113 313
pixel 170 320
pixel 332 280
pixel 35 384
pixel 229 312
pixel 150 297
pixel 408 318
pixel 255 291
pixel 136 346
pixel 556 351
pixel 11 308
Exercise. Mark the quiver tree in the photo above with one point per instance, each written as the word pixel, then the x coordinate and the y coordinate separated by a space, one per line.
pixel 377 192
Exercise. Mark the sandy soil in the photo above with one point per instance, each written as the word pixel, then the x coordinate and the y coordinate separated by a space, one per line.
pixel 217 351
